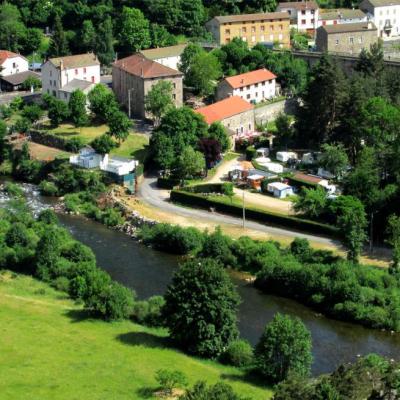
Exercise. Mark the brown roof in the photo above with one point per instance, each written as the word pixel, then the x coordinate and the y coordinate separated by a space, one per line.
pixel 307 178
pixel 252 17
pixel 21 77
pixel 76 61
pixel 224 109
pixel 347 28
pixel 5 54
pixel 139 65
pixel 299 5
pixel 250 78
pixel 341 13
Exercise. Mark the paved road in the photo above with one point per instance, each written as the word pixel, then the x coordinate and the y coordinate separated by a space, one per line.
pixel 150 194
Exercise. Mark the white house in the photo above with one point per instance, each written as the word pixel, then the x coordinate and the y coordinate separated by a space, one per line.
pixel 87 158
pixel 386 16
pixel 254 86
pixel 279 189
pixel 341 16
pixel 62 75
pixel 12 63
pixel 169 56
pixel 303 14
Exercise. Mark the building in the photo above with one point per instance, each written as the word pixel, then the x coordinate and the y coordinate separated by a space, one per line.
pixel 385 14
pixel 15 81
pixel 346 38
pixel 134 76
pixel 62 75
pixel 169 56
pixel 12 63
pixel 341 16
pixel 236 114
pixel 254 86
pixel 252 28
pixel 280 190
pixel 303 14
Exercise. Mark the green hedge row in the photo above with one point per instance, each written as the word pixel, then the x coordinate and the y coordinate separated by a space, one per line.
pixel 193 199
pixel 167 183
pixel 207 188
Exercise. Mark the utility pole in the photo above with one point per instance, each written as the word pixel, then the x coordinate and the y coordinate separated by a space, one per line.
pixel 129 103
pixel 244 209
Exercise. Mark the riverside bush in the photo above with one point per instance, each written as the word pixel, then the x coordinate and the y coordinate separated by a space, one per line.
pixel 148 312
pixel 239 353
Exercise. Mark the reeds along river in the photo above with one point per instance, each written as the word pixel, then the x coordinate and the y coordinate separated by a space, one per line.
pixel 148 272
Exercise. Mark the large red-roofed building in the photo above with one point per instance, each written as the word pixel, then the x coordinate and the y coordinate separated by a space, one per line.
pixel 254 87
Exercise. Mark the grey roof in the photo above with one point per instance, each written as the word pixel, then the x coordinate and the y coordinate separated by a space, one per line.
pixel 251 17
pixel 76 84
pixel 383 3
pixel 341 13
pixel 347 28
pixel 298 5
pixel 163 52
pixel 21 77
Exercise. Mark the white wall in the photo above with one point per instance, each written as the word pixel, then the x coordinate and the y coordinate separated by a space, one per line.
pixel 14 65
pixel 306 21
pixel 89 73
pixel 391 14
pixel 171 62
pixel 341 21
pixel 257 92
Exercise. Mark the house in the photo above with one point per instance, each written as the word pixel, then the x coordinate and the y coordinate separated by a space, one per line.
pixel 285 156
pixel 169 56
pixel 14 82
pixel 134 76
pixel 385 14
pixel 12 63
pixel 280 190
pixel 303 14
pixel 254 86
pixel 62 75
pixel 341 16
pixel 346 38
pixel 236 114
pixel 252 28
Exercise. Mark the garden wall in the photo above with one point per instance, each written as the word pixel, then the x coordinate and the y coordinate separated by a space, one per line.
pixel 270 111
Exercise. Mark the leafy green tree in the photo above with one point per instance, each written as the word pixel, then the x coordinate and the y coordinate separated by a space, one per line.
pixel 393 231
pixel 77 108
pixel 58 112
pixel 334 159
pixel 32 112
pixel 12 29
pixel 88 36
pixel 119 125
pixel 163 150
pixel 190 52
pixel 239 353
pixel 22 125
pixel 134 30
pixel 102 102
pixel 3 143
pixel 160 37
pixel 31 82
pixel 218 132
pixel 170 379
pixel 284 348
pixel 371 62
pixel 190 163
pixel 200 308
pixel 32 40
pixel 105 42
pixel 58 42
pixel 159 99
pixel 284 127
pixel 191 17
pixel 264 5
pixel 103 144
pixel 311 202
pixel 211 150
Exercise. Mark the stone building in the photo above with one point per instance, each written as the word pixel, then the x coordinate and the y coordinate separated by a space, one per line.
pixel 252 28
pixel 303 14
pixel 134 76
pixel 169 56
pixel 234 113
pixel 346 38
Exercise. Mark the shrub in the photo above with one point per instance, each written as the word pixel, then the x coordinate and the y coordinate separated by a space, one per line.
pixel 48 188
pixel 48 217
pixel 13 189
pixel 74 144
pixel 169 379
pixel 62 284
pixel 111 217
pixel 239 353
pixel 148 312
pixel 250 153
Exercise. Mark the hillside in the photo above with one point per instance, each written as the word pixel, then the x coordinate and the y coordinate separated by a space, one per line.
pixel 52 351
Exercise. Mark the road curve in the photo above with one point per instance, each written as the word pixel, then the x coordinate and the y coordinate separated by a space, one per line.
pixel 150 194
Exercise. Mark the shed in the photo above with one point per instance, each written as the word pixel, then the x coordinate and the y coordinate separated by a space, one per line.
pixel 255 181
pixel 262 152
pixel 280 190
pixel 285 156
pixel 262 160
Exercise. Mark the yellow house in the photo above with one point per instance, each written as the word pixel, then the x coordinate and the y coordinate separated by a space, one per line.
pixel 252 28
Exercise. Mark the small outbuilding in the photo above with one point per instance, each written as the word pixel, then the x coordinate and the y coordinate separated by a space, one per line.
pixel 279 189
pixel 255 181
pixel 274 167
pixel 285 156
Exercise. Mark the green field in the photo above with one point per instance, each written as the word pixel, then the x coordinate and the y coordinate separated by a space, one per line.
pixel 134 146
pixel 50 350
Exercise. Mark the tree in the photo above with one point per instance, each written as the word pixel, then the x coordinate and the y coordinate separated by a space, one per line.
pixel 159 100
pixel 211 150
pixel 190 163
pixel 190 52
pixel 264 5
pixel 32 39
pixel 371 62
pixel 160 37
pixel 32 112
pixel 163 150
pixel 58 111
pixel 168 380
pixel 12 29
pixel 284 129
pixel 3 143
pixel 393 231
pixel 134 30
pixel 88 36
pixel 351 221
pixel 58 43
pixel 311 202
pixel 119 125
pixel 284 348
pixel 31 83
pixel 218 132
pixel 77 108
pixel 103 144
pixel 219 391
pixel 191 17
pixel 102 102
pixel 105 42
pixel 200 308
pixel 334 159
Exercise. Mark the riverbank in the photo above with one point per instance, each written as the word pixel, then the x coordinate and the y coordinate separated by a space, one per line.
pixel 62 354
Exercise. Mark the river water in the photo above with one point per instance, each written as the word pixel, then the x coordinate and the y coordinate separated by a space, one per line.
pixel 148 272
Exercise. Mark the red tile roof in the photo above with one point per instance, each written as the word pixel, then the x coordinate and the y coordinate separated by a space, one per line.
pixel 4 54
pixel 139 65
pixel 224 109
pixel 250 78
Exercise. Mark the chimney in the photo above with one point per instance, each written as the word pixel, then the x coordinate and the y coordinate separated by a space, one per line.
pixel 242 81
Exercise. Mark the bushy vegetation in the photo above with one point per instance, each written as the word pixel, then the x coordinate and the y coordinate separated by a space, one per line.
pixel 238 353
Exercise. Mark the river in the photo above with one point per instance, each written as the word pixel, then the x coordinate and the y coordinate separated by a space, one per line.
pixel 148 272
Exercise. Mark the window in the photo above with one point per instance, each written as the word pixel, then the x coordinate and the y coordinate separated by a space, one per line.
pixel 54 93
pixel 281 27
pixel 48 91
pixel 312 21
pixel 336 42
pixel 303 21
pixel 351 40
pixel 51 73
pixel 256 85
pixel 289 12
pixel 227 31
pixel 312 12
pixel 248 97
pixel 14 65
pixel 248 87
pixel 84 70
pixel 76 72
pixel 253 29
pixel 174 85
pixel 303 12
pixel 244 30
pixel 174 96
pixel 93 80
pixel 241 89
pixel 271 28
pixel 262 28
pixel 65 95
pixel 227 40
pixel 250 126
pixel 256 94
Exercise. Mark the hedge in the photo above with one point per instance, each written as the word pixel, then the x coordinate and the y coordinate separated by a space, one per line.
pixel 168 183
pixel 193 199
pixel 207 188
pixel 48 139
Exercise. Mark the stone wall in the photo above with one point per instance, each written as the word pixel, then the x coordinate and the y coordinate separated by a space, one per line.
pixel 269 112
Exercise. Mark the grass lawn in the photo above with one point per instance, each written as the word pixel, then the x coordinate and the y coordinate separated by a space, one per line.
pixel 134 146
pixel 51 351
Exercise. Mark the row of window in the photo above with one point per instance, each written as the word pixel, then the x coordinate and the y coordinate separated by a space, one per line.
pixel 253 22
pixel 253 29
pixel 387 12
pixel 304 22
pixel 76 71
pixel 264 83
pixel 351 40
pixel 262 38
pixel 248 96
